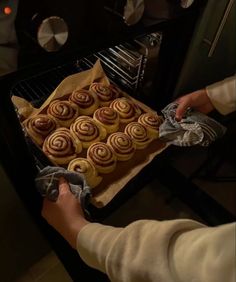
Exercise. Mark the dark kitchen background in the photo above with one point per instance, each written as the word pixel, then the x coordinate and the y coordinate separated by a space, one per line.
pixel 156 51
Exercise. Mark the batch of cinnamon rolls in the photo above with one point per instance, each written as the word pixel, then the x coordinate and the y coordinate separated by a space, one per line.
pixel 92 130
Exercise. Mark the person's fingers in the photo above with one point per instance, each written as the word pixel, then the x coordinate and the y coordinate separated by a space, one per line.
pixel 63 186
pixel 181 109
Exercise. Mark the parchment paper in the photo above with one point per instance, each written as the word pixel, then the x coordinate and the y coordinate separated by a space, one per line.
pixel 115 181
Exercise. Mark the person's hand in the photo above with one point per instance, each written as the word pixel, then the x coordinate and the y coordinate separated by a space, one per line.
pixel 197 100
pixel 66 214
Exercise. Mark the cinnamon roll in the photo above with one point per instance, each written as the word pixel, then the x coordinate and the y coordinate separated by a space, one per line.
pixel 87 130
pixel 104 93
pixel 102 156
pixel 84 166
pixel 86 100
pixel 64 112
pixel 108 118
pixel 116 91
pixel 122 145
pixel 38 127
pixel 126 109
pixel 60 147
pixel 152 123
pixel 138 134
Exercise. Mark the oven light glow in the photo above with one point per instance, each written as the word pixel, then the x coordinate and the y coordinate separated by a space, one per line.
pixel 7 10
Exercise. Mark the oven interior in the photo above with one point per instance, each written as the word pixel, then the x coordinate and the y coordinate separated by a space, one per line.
pixel 126 64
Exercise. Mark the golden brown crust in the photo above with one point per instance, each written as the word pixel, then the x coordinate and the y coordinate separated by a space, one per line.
pixel 61 147
pixel 39 127
pixel 108 118
pixel 85 167
pixel 86 100
pixel 116 91
pixel 65 112
pixel 87 130
pixel 122 145
pixel 104 93
pixel 102 157
pixel 138 134
pixel 152 123
pixel 126 109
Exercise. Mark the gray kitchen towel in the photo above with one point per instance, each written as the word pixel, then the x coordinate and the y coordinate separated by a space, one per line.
pixel 47 182
pixel 194 128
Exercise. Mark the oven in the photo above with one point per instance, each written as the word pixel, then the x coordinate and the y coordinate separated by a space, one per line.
pixel 141 50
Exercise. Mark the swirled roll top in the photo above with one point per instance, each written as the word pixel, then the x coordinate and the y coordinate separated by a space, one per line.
pixel 122 145
pixel 87 131
pixel 108 118
pixel 39 127
pixel 152 123
pixel 65 112
pixel 138 134
pixel 127 110
pixel 105 93
pixel 61 147
pixel 86 100
pixel 102 157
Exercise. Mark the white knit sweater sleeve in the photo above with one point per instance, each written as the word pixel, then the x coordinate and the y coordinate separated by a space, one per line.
pixel 168 251
pixel 223 95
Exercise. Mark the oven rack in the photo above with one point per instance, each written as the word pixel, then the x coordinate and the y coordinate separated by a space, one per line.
pixel 37 88
pixel 124 65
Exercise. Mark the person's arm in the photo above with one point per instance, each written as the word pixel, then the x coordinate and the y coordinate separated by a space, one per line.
pixel 146 250
pixel 175 250
pixel 223 95
pixel 66 214
pixel 220 96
